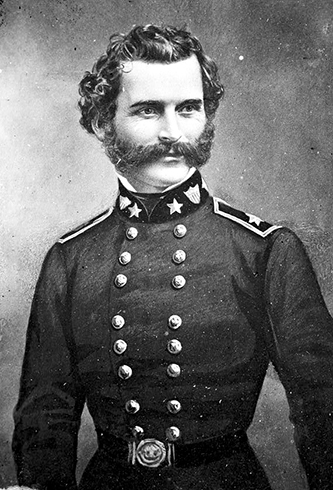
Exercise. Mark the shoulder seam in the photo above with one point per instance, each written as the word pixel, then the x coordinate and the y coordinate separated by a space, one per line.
pixel 86 227
pixel 263 234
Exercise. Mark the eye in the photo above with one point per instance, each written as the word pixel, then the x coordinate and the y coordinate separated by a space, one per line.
pixel 189 109
pixel 146 112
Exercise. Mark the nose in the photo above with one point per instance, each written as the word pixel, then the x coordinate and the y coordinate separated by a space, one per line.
pixel 170 130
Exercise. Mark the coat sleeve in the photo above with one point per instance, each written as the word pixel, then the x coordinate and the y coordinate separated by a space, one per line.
pixel 47 415
pixel 301 348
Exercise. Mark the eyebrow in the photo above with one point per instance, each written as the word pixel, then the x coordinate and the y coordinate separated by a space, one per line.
pixel 160 105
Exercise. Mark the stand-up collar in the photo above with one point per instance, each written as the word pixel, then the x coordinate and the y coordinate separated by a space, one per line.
pixel 179 201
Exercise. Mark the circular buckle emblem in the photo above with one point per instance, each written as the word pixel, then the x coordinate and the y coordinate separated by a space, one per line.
pixel 150 452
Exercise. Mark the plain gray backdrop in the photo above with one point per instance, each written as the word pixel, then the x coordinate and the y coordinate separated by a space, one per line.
pixel 272 156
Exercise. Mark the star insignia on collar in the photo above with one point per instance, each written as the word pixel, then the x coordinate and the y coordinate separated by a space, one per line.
pixel 124 202
pixel 175 206
pixel 254 219
pixel 135 210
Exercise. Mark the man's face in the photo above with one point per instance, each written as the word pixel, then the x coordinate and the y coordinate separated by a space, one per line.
pixel 160 112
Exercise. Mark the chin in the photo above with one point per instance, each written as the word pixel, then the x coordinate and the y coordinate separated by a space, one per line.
pixel 169 174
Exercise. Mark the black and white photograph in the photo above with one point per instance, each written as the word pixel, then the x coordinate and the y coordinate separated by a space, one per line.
pixel 166 190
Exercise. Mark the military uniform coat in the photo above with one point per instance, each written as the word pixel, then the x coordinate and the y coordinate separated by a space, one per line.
pixel 169 320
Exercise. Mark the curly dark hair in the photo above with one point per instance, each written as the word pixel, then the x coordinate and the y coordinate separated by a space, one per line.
pixel 100 88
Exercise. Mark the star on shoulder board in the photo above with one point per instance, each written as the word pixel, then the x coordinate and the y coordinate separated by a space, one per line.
pixel 248 220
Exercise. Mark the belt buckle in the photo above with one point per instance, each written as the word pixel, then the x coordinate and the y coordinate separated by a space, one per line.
pixel 149 452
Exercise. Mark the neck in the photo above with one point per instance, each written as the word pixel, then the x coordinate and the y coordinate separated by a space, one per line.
pixel 145 185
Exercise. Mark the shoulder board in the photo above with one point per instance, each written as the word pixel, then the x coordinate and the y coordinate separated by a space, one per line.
pixel 249 221
pixel 82 228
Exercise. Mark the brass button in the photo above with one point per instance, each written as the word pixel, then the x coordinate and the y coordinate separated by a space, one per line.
pixel 120 280
pixel 137 431
pixel 173 370
pixel 174 346
pixel 132 406
pixel 178 282
pixel 124 372
pixel 179 231
pixel 118 322
pixel 131 233
pixel 174 406
pixel 119 346
pixel 125 258
pixel 174 322
pixel 172 433
pixel 179 256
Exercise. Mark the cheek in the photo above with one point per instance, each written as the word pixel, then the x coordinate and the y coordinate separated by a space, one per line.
pixel 138 132
pixel 192 128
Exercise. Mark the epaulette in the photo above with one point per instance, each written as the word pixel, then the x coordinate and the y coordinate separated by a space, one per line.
pixel 249 221
pixel 85 226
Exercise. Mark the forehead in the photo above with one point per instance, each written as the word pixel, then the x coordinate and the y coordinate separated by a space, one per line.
pixel 179 80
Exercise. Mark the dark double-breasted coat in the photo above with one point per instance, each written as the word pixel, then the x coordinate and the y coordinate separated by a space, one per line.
pixel 167 322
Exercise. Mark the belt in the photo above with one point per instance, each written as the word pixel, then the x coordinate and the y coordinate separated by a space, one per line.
pixel 153 453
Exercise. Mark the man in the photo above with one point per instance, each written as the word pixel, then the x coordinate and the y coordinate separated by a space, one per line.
pixel 163 314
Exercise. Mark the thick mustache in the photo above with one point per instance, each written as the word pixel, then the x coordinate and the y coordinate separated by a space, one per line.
pixel 165 149
pixel 127 155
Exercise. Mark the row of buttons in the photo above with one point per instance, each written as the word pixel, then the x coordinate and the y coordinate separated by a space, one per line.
pixel 179 231
pixel 174 346
pixel 132 406
pixel 172 433
pixel 125 372
pixel 118 322
pixel 178 257
pixel 173 370
pixel 178 282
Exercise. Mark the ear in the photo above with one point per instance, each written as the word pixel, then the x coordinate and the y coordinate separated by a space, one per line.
pixel 99 132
